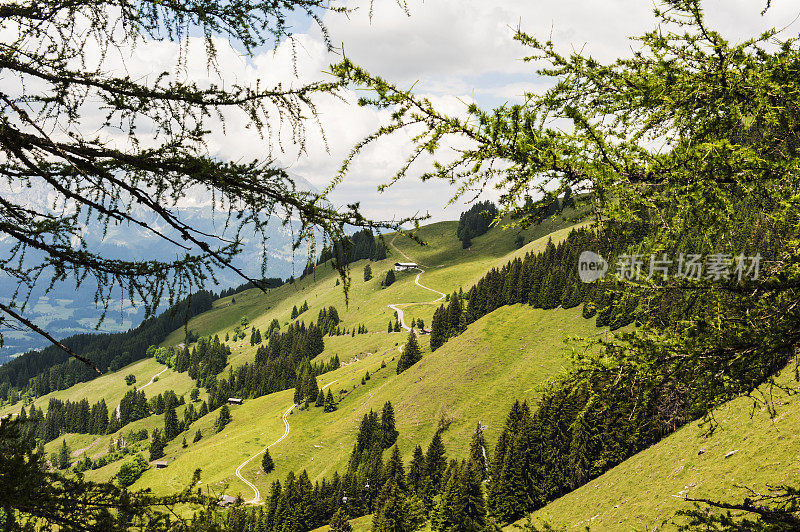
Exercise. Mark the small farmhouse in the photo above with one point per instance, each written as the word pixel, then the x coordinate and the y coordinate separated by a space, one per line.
pixel 160 464
pixel 226 500
pixel 234 401
pixel 400 266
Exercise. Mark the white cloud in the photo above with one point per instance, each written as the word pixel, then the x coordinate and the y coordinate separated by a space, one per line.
pixel 454 50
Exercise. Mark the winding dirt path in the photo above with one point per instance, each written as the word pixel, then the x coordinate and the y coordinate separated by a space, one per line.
pixel 153 378
pixel 397 307
pixel 151 381
pixel 76 453
pixel 257 494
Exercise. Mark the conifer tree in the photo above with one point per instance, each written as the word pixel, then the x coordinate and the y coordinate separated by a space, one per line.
pixel 395 513
pixel 63 455
pixel 411 353
pixel 438 329
pixel 171 428
pixel 416 471
pixel 512 496
pixel 394 470
pixel 330 404
pixel 388 430
pixel 367 272
pixel 320 398
pixel 294 312
pixel 223 419
pixel 157 445
pixel 471 510
pixel 311 388
pixel 266 462
pixel 159 405
pixel 298 391
pixel 391 327
pixel 339 522
pixel 435 462
pixel 380 251
pixel 477 452
pixel 454 311
pixel 197 436
pixel 390 278
pixel 461 506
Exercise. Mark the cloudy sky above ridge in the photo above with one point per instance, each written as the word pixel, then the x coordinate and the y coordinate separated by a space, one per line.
pixel 452 51
pixel 456 51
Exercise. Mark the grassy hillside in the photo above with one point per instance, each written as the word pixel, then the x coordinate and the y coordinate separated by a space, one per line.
pixel 489 358
pixel 507 355
pixel 448 268
pixel 644 492
pixel 474 377
pixel 112 387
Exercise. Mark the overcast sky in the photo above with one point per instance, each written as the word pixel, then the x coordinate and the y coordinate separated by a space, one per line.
pixel 455 51
pixel 452 51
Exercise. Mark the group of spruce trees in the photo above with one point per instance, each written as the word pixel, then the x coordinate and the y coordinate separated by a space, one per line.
pixel 411 353
pixel 297 311
pixel 360 245
pixel 63 417
pixel 475 222
pixel 546 280
pixel 208 358
pixel 400 496
pixel 306 390
pixel 283 363
pixel 592 420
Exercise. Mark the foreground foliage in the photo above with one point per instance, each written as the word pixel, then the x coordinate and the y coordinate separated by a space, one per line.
pixel 74 128
pixel 689 146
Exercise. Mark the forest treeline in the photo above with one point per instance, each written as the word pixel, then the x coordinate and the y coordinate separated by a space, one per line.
pixel 64 417
pixel 268 282
pixel 282 357
pixel 597 416
pixel 400 495
pixel 40 372
pixel 79 417
pixel 360 245
pixel 475 221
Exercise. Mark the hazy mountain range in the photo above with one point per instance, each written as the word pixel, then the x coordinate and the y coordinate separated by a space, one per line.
pixel 67 310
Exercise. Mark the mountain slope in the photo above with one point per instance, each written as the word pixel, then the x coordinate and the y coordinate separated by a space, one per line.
pixel 644 492
pixel 472 378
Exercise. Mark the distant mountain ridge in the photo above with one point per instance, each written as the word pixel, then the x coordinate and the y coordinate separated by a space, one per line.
pixel 67 310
